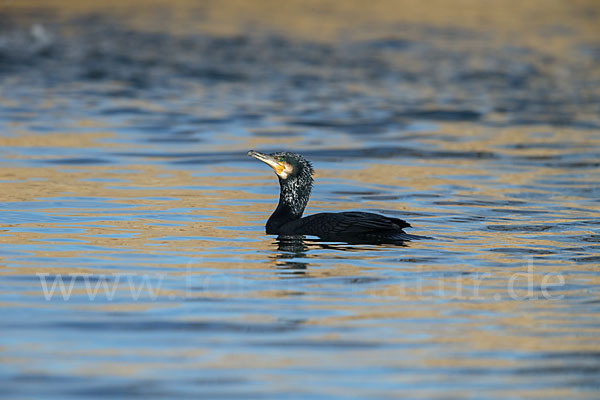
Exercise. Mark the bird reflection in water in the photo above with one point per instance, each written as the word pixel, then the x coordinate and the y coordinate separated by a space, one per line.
pixel 292 249
pixel 289 249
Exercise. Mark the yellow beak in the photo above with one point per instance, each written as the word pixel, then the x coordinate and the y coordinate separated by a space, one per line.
pixel 278 166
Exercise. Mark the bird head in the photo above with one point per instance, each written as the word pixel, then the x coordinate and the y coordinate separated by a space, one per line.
pixel 287 166
pixel 295 179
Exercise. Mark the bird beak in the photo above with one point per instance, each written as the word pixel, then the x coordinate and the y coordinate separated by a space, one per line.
pixel 279 167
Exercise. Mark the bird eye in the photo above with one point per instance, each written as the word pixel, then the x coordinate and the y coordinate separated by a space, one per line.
pixel 281 159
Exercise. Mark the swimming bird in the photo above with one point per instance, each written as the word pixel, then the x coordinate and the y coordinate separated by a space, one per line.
pixel 295 175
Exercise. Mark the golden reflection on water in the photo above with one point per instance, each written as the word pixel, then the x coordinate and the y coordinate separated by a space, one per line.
pixel 509 20
pixel 150 188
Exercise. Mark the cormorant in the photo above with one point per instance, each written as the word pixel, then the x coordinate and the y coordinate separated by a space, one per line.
pixel 295 181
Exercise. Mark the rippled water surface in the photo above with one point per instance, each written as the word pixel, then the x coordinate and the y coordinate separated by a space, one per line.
pixel 133 257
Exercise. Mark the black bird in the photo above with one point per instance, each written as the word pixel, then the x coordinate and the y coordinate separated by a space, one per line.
pixel 295 181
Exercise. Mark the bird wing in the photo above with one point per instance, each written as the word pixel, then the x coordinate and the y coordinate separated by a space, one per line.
pixel 346 223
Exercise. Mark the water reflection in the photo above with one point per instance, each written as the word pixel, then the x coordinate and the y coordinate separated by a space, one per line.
pixel 289 250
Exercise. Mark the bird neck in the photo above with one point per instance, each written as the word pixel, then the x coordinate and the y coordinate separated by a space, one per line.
pixel 293 198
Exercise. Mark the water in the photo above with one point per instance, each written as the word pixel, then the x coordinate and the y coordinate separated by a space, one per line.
pixel 125 175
